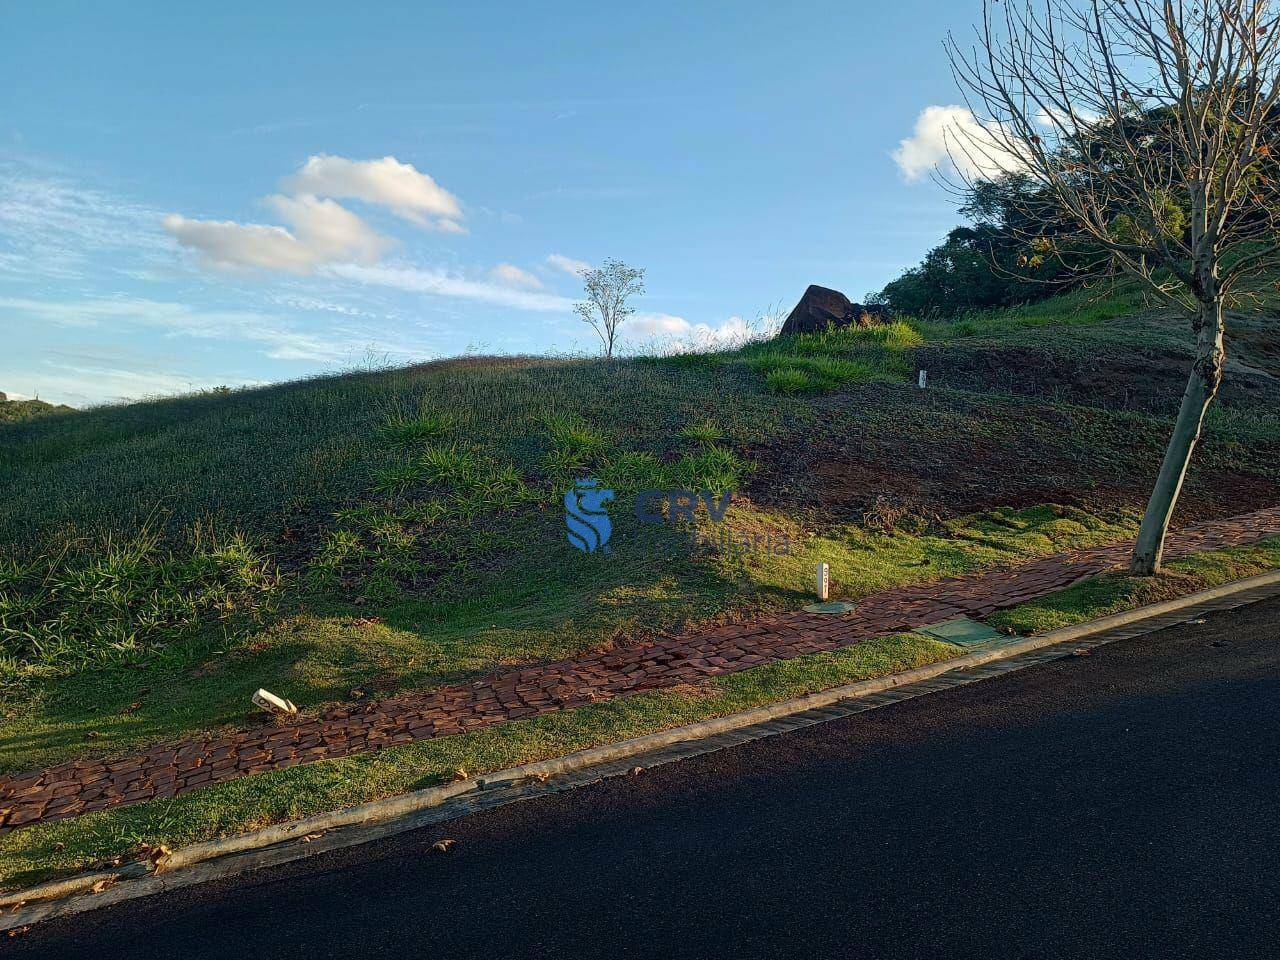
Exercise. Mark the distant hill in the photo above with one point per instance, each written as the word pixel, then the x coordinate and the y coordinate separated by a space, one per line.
pixel 13 411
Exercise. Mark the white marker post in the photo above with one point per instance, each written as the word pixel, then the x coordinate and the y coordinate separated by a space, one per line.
pixel 823 581
pixel 924 379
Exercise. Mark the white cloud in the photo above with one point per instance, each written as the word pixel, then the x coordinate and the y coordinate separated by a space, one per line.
pixel 439 283
pixel 53 228
pixel 575 268
pixel 330 230
pixel 512 276
pixel 649 326
pixel 283 340
pixel 225 243
pixel 951 136
pixel 400 187
pixel 323 231
pixel 88 382
pixel 672 332
pixel 311 304
pixel 450 226
pixel 320 230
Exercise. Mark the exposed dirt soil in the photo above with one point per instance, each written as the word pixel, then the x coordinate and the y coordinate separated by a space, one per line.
pixel 953 453
pixel 1255 344
pixel 1149 381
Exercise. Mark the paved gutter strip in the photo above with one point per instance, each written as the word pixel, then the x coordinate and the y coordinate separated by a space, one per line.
pixel 282 843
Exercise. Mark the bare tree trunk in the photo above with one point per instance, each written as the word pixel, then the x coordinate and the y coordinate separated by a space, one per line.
pixel 1202 386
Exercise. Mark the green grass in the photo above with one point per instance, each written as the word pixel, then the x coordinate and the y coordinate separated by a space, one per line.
pixel 789 380
pixel 863 561
pixel 823 362
pixel 704 432
pixel 72 609
pixel 409 429
pixel 1102 596
pixel 404 528
pixel 44 851
pixel 18 411
pixel 329 650
pixel 1087 306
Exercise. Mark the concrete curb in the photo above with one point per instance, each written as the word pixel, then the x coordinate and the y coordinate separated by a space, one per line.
pixel 317 834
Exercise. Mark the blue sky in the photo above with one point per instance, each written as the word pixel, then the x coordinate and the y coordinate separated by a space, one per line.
pixel 197 195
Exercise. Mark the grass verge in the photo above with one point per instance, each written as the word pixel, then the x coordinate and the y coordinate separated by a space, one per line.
pixel 46 851
pixel 332 652
pixel 1105 595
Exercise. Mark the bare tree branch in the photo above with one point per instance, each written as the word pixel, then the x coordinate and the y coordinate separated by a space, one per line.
pixel 608 289
pixel 1148 128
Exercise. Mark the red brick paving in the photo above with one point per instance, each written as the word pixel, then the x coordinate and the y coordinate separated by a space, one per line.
pixel 81 786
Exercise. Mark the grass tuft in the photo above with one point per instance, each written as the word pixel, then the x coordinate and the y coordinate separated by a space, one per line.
pixel 402 429
pixel 789 381
pixel 716 469
pixel 69 608
pixel 703 431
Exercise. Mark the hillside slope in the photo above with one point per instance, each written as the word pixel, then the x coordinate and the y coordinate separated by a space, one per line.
pixel 1133 362
pixel 338 537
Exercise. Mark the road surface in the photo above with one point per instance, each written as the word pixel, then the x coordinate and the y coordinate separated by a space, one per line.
pixel 1121 804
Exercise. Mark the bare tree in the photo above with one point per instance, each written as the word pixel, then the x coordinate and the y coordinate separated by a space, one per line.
pixel 1150 128
pixel 608 289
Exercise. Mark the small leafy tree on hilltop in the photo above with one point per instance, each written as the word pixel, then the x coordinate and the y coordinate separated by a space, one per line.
pixel 1148 128
pixel 608 290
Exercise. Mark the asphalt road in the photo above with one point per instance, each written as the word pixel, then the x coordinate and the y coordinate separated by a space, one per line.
pixel 1121 804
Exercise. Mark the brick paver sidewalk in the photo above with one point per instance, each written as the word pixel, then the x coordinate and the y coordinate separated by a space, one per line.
pixel 79 787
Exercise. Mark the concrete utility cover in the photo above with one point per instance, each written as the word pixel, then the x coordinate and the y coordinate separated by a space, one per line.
pixel 835 606
pixel 962 630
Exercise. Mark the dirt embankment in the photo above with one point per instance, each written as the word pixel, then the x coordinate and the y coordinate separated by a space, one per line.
pixel 945 454
pixel 1150 380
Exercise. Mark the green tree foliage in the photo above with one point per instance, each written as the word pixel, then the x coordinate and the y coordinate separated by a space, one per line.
pixel 1018 248
pixel 960 274
pixel 990 263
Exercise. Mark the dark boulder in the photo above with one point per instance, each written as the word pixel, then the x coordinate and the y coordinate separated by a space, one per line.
pixel 821 308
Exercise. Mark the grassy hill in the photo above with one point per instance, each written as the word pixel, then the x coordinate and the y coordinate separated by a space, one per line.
pixel 404 527
pixel 344 537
